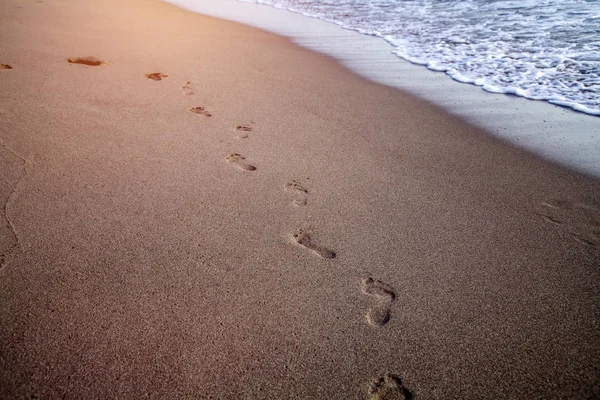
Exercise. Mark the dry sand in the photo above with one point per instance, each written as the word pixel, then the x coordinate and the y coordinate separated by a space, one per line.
pixel 263 224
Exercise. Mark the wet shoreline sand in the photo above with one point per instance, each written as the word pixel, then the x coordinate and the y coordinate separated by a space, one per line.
pixel 557 134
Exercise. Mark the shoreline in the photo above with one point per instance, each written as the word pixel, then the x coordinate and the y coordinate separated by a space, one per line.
pixel 536 126
pixel 261 222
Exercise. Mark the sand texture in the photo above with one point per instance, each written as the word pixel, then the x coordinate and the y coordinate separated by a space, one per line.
pixel 204 210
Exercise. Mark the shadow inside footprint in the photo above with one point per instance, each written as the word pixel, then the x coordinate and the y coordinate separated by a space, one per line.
pixel 303 239
pixel 5 66
pixel 389 387
pixel 379 314
pixel 91 61
pixel 238 160
pixel 156 76
pixel 200 111
pixel 296 187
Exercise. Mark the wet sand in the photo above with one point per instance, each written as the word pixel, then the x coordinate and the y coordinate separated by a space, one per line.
pixel 214 212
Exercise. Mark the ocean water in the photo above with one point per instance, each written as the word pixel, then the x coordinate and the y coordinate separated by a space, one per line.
pixel 538 49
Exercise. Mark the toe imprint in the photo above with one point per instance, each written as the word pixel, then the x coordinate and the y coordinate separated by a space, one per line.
pixel 243 128
pixel 295 186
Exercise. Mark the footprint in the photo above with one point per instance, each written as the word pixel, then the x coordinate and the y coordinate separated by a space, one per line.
pixel 303 238
pixel 92 61
pixel 200 111
pixel 5 66
pixel 296 187
pixel 243 129
pixel 378 315
pixel 156 76
pixel 187 88
pixel 389 387
pixel 238 160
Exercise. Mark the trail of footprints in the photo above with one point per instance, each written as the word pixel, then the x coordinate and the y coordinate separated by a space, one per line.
pixel 581 220
pixel 389 386
pixel 379 314
pixel 383 388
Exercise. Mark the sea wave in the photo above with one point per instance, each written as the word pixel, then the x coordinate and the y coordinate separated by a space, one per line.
pixel 538 49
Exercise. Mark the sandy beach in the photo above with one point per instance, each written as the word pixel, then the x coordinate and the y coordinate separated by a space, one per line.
pixel 215 212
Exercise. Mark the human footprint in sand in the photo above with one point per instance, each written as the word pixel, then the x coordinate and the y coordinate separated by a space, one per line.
pixel 379 314
pixel 388 387
pixel 296 187
pixel 238 160
pixel 304 239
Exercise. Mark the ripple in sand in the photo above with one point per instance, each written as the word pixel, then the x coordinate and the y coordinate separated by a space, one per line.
pixel 580 219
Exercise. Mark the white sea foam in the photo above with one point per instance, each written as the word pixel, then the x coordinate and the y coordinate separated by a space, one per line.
pixel 538 49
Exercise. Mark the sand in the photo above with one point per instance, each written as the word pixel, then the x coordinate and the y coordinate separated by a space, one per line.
pixel 260 223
